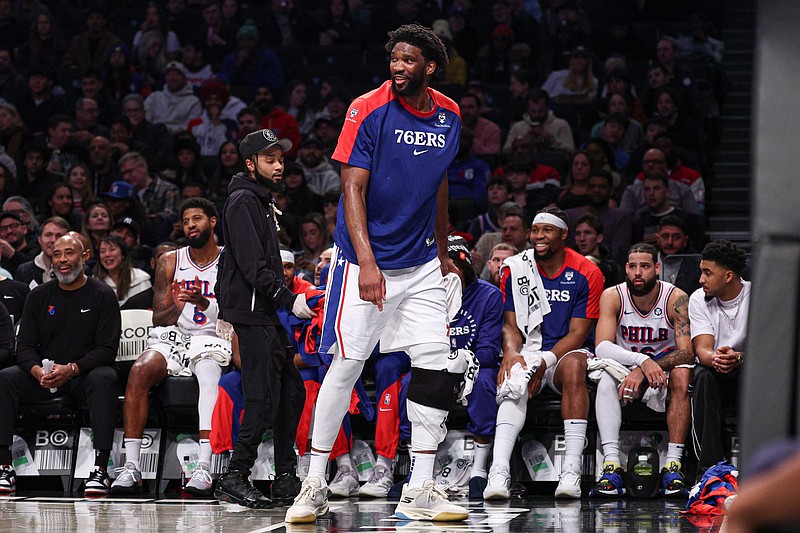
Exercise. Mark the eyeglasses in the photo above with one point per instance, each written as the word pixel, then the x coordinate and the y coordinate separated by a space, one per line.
pixel 8 227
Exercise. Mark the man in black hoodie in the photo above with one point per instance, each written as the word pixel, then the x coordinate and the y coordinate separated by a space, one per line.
pixel 250 290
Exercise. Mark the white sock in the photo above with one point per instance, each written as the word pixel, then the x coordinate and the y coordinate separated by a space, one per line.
pixel 421 468
pixel 480 460
pixel 611 452
pixel 609 417
pixel 318 465
pixel 132 449
pixel 344 460
pixel 675 453
pixel 205 451
pixel 510 419
pixel 385 461
pixel 574 437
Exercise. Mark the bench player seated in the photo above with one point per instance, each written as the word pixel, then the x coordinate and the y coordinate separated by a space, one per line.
pixel 184 342
pixel 644 326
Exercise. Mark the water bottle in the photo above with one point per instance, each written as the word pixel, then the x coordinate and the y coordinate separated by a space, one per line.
pixel 363 459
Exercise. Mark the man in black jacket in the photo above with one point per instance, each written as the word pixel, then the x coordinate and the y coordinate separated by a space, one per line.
pixel 74 322
pixel 251 288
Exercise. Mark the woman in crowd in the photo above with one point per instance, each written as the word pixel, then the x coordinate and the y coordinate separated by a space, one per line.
pixel 603 158
pixel 150 58
pixel 45 46
pixel 574 85
pixel 330 206
pixel 59 203
pixel 79 181
pixel 12 131
pixel 577 192
pixel 229 162
pixel 96 225
pixel 315 239
pixel 115 270
pixel 297 105
pixel 155 21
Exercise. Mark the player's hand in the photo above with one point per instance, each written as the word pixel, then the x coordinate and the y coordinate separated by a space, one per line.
pixel 654 374
pixel 6 250
pixel 194 294
pixel 175 292
pixel 372 285
pixel 629 388
pixel 508 360
pixel 447 265
pixel 536 381
pixel 726 359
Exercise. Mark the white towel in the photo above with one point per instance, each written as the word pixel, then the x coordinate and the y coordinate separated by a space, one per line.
pixel 530 300
pixel 655 399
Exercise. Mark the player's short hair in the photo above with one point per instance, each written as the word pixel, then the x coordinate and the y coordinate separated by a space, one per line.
pixel 557 212
pixel 504 246
pixel 672 220
pixel 433 49
pixel 58 221
pixel 644 248
pixel 201 203
pixel 727 255
pixel 592 221
pixel 497 179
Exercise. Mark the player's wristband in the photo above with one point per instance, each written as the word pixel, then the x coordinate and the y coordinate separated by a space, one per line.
pixel 549 359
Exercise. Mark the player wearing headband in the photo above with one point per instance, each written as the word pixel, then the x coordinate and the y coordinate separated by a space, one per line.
pixel 552 300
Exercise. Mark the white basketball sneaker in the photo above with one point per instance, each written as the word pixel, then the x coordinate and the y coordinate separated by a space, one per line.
pixel 428 503
pixel 310 504
pixel 345 484
pixel 379 483
pixel 498 486
pixel 569 484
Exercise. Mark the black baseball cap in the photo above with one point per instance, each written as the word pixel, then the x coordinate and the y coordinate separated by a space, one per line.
pixel 457 249
pixel 262 140
pixel 129 223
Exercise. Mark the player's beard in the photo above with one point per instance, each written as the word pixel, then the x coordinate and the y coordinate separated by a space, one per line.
pixel 645 289
pixel 268 183
pixel 548 255
pixel 413 85
pixel 200 240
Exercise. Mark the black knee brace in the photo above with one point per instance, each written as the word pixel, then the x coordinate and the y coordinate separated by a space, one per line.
pixel 434 388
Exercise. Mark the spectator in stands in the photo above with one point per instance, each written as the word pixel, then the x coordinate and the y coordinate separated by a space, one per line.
pixel 589 241
pixel 114 268
pixel 667 56
pixel 79 180
pixel 556 345
pixel 700 43
pixel 154 21
pixel 176 104
pixel 657 79
pixel 123 201
pixel 40 269
pixel 301 199
pixel 619 105
pixel 251 63
pixel 330 210
pixel 718 314
pixel 293 281
pixel 59 204
pixel 211 129
pixel 577 192
pixel 549 131
pixel 178 299
pixel 683 130
pixel 467 177
pixel 12 33
pixel 456 71
pixel 660 362
pixel 101 160
pixel 520 82
pixel 119 78
pixel 14 246
pixel 12 131
pixel 91 48
pixel 154 135
pixel 482 249
pixel 327 133
pixel 677 171
pixel 619 82
pixel 87 112
pixel 336 105
pixel 96 224
pixel 655 127
pixel 612 132
pixel 486 142
pixel 493 62
pixel 23 208
pixel 180 20
pixel 679 195
pixel 336 26
pixel 217 41
pixel 320 175
pixel 656 190
pixel 91 86
pixel 529 188
pixel 273 117
pixel 12 84
pixel 603 158
pixel 149 58
pixel 189 166
pixel 616 223
pixel 463 22
pixel 576 84
pixel 160 198
pixel 673 242
pixel 76 322
pixel 198 70
pixel 286 25
pixel 314 239
pixel 500 252
pixel 229 162
pixel 298 106
pixel 39 102
pixel 622 38
pixel 247 121
pixel 64 152
pixel 498 192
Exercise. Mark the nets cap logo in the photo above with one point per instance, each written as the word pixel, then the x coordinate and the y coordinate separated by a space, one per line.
pixel 269 135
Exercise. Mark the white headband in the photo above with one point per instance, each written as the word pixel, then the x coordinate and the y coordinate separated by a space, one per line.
pixel 287 257
pixel 549 218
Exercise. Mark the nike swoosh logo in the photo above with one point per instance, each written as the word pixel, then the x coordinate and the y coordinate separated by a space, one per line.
pixel 628 312
pixel 419 152
pixel 85 310
pixel 382 410
pixel 6 297
pixel 183 268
